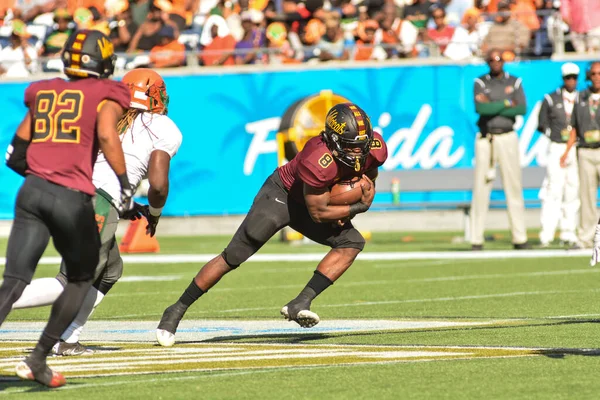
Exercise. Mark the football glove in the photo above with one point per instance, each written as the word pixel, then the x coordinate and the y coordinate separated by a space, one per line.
pixel 596 249
pixel 125 202
pixel 136 212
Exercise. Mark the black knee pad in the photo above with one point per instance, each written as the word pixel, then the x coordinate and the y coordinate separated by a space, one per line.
pixel 249 238
pixel 349 239
pixel 82 274
pixel 229 264
pixel 109 277
pixel 103 287
pixel 84 270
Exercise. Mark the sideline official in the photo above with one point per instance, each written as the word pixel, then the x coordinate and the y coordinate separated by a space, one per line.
pixel 560 190
pixel 499 98
pixel 586 132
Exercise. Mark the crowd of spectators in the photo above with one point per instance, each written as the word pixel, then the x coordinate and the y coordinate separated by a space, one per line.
pixel 163 33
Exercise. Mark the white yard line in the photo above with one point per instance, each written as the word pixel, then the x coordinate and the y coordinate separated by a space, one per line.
pixel 570 316
pixel 495 276
pixel 150 278
pixel 386 302
pixel 459 298
pixel 351 284
pixel 367 256
pixel 421 263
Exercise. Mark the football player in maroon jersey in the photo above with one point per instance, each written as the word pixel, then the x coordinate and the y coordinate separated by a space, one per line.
pixel 297 195
pixel 55 148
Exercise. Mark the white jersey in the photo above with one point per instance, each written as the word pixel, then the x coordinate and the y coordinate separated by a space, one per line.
pixel 148 132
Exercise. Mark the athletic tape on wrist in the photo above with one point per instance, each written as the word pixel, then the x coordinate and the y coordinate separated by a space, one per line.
pixel 155 212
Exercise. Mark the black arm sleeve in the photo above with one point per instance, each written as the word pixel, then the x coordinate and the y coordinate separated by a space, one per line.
pixel 16 155
pixel 543 118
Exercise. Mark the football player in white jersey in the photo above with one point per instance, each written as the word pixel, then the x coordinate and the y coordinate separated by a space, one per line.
pixel 149 139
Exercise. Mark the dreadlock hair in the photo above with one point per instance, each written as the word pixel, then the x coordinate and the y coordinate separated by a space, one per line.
pixel 127 119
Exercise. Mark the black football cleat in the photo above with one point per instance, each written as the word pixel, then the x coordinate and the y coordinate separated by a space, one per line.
pixel 298 310
pixel 165 333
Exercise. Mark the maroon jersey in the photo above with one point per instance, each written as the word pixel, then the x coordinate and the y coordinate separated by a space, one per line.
pixel 316 167
pixel 64 143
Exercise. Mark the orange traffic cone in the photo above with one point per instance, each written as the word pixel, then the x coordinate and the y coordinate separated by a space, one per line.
pixel 137 241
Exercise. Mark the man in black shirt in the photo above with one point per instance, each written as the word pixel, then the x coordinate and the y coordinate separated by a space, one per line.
pixel 499 98
pixel 560 190
pixel 586 132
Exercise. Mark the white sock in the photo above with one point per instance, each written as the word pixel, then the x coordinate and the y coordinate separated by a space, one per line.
pixel 91 301
pixel 40 292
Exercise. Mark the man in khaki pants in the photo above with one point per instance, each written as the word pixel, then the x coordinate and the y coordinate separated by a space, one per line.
pixel 499 98
pixel 585 121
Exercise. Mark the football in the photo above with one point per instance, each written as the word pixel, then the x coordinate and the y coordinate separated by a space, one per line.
pixel 346 192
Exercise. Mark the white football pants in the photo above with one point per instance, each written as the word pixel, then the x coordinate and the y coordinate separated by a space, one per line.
pixel 560 196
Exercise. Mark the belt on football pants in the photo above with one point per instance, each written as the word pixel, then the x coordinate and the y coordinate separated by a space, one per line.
pixel 102 207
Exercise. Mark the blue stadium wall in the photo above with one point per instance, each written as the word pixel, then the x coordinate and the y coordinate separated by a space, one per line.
pixel 425 113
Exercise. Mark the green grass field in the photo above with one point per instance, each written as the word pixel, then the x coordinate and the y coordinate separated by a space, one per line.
pixel 509 328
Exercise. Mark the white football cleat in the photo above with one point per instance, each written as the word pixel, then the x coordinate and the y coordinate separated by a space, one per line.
pixel 165 338
pixel 305 318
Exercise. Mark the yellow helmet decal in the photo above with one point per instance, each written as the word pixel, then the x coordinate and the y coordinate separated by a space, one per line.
pixel 333 123
pixel 106 47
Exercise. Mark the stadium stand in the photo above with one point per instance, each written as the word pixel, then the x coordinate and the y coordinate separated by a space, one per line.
pixel 267 32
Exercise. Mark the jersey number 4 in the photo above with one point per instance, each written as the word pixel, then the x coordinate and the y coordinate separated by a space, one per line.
pixel 56 115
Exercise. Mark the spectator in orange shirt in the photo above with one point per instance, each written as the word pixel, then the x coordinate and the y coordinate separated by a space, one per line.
pixel 399 35
pixel 365 45
pixel 313 31
pixel 169 53
pixel 5 5
pixel 220 50
pixel 525 12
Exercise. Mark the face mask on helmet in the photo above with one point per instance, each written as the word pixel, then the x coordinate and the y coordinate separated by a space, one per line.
pixel 348 134
pixel 159 93
pixel 352 153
